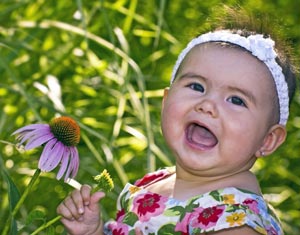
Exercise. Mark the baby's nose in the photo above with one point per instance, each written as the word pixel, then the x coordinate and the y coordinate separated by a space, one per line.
pixel 207 106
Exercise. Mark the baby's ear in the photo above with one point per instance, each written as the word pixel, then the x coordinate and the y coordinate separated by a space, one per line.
pixel 274 138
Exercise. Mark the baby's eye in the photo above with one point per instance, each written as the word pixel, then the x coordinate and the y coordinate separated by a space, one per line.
pixel 237 101
pixel 196 87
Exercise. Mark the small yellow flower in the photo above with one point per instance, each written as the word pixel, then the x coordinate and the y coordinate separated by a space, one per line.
pixel 228 198
pixel 236 218
pixel 133 189
pixel 104 181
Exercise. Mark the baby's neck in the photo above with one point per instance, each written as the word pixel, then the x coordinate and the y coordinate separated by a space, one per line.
pixel 186 187
pixel 183 188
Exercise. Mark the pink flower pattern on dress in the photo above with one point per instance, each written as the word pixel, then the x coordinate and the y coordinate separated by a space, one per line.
pixel 182 226
pixel 120 215
pixel 252 204
pixel 205 218
pixel 271 231
pixel 149 178
pixel 148 205
pixel 118 228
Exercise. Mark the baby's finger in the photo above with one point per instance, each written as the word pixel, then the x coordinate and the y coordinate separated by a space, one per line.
pixel 94 202
pixel 77 200
pixel 86 194
pixel 64 212
pixel 69 203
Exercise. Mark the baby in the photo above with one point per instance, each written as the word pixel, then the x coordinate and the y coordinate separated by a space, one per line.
pixel 227 106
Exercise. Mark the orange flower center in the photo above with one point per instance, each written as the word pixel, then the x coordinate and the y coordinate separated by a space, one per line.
pixel 66 130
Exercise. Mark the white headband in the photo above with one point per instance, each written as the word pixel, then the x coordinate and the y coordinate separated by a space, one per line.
pixel 260 47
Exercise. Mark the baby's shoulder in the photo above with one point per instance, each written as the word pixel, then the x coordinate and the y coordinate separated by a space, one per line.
pixel 235 207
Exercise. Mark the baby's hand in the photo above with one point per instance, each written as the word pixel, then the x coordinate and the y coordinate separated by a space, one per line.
pixel 81 212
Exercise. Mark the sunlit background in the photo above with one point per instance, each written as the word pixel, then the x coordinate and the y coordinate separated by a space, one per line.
pixel 105 63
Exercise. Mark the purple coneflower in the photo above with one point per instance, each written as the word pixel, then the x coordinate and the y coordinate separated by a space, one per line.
pixel 60 137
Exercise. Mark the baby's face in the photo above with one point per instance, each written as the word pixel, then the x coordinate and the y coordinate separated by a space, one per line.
pixel 217 112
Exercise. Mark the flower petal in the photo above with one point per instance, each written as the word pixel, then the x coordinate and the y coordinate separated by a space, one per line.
pixel 69 166
pixel 64 163
pixel 46 154
pixel 38 141
pixel 56 156
pixel 26 135
pixel 31 128
pixel 74 163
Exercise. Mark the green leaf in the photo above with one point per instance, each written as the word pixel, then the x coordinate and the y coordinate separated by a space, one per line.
pixel 35 215
pixel 13 197
pixel 132 232
pixel 191 206
pixel 13 227
pixel 130 218
pixel 123 201
pixel 174 211
pixel 13 192
pixel 168 229
pixel 216 195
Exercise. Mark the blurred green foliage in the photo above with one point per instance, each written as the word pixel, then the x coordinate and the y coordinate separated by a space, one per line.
pixel 105 63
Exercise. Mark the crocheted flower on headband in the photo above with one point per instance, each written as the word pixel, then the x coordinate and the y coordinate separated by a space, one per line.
pixel 262 48
pixel 60 137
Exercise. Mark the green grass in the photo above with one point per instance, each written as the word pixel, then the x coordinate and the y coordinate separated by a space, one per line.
pixel 111 60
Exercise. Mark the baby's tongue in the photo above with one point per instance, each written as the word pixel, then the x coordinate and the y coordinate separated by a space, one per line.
pixel 202 136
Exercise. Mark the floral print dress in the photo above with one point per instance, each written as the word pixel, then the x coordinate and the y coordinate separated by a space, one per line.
pixel 213 211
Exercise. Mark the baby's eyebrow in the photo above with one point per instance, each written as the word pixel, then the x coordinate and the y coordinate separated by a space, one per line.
pixel 192 75
pixel 245 92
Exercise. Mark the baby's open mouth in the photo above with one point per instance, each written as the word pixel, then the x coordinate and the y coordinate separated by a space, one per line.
pixel 201 136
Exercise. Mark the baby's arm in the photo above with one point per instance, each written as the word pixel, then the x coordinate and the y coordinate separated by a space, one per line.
pixel 81 212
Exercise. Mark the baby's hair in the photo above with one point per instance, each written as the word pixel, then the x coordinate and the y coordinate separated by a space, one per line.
pixel 240 21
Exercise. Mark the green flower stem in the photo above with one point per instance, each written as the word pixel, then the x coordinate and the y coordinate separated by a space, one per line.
pixel 21 201
pixel 96 188
pixel 46 225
